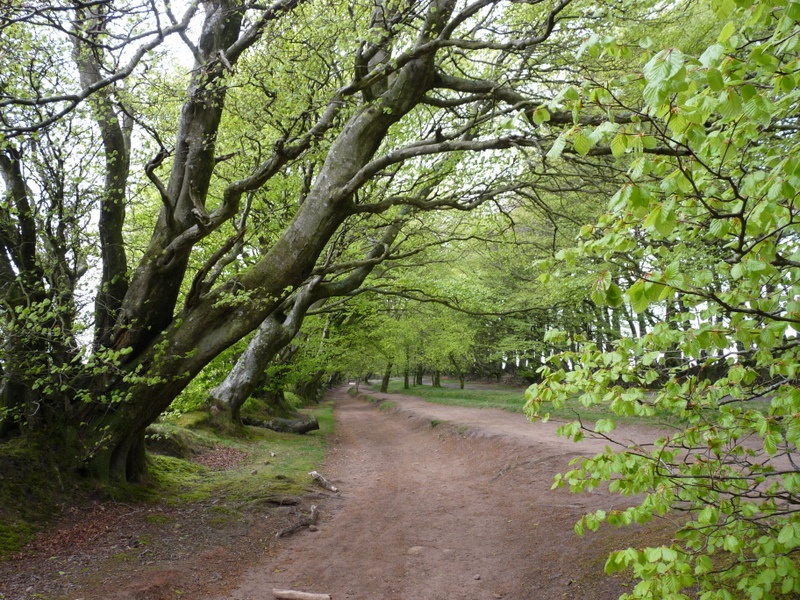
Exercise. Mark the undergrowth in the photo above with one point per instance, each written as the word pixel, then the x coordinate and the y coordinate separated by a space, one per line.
pixel 268 463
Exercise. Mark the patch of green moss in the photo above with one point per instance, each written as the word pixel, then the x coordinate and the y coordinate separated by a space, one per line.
pixel 172 440
pixel 191 420
pixel 175 477
pixel 159 519
pixel 387 405
pixel 14 536
pixel 127 556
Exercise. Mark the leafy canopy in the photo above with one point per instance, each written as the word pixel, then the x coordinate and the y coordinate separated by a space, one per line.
pixel 706 228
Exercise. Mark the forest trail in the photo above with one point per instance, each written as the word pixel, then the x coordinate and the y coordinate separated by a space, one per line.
pixel 443 502
pixel 435 503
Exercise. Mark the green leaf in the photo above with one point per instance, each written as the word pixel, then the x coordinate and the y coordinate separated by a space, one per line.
pixel 726 32
pixel 605 426
pixel 637 296
pixel 714 78
pixel 582 144
pixel 660 219
pixel 557 148
pixel 541 115
pixel 613 295
pixel 664 66
pixel 619 144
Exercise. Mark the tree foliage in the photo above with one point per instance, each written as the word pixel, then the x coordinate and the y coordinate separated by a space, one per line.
pixel 706 232
pixel 152 218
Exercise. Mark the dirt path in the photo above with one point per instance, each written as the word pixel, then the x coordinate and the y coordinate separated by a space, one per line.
pixel 443 512
pixel 436 503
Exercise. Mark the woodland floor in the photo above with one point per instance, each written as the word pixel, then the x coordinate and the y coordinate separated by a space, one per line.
pixel 435 503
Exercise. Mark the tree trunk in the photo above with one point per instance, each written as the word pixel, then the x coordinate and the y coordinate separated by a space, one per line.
pixel 217 320
pixel 406 374
pixel 281 326
pixel 418 372
pixel 387 373
pixel 436 378
pixel 299 425
pixel 248 372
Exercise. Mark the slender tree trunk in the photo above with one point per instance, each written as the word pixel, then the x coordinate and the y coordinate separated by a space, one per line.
pixel 387 373
pixel 436 378
pixel 280 328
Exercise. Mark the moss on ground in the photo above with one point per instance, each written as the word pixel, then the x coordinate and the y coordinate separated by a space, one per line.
pixel 31 491
pixel 263 463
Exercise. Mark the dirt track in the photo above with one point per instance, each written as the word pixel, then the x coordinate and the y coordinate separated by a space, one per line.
pixel 436 503
pixel 459 510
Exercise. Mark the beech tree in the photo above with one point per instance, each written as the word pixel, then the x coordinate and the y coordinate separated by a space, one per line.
pixel 707 232
pixel 88 136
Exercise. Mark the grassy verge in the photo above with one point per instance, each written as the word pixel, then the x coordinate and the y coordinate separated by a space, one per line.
pixel 508 399
pixel 270 463
pixel 262 464
pixel 513 400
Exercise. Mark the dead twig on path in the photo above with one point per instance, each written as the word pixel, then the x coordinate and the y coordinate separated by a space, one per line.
pixel 292 595
pixel 305 521
pixel 323 482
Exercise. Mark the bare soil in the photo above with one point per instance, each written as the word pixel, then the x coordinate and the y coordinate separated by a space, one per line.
pixel 435 503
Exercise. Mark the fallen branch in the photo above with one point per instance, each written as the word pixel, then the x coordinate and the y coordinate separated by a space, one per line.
pixel 305 521
pixel 292 595
pixel 302 425
pixel 323 482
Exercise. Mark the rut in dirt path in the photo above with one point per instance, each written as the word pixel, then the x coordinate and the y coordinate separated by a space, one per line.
pixel 427 514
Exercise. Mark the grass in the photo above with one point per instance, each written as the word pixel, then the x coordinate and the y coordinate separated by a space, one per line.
pixel 273 464
pixel 513 400
pixel 510 399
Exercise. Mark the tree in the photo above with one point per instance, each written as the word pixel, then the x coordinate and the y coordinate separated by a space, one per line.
pixel 451 76
pixel 281 327
pixel 706 231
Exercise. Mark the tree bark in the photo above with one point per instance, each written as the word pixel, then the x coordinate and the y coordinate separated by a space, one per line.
pixel 281 326
pixel 300 425
pixel 387 373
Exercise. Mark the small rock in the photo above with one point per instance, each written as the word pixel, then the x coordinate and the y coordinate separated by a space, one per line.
pixel 313 528
pixel 272 454
pixel 477 577
pixel 266 462
pixel 414 550
pixel 254 472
